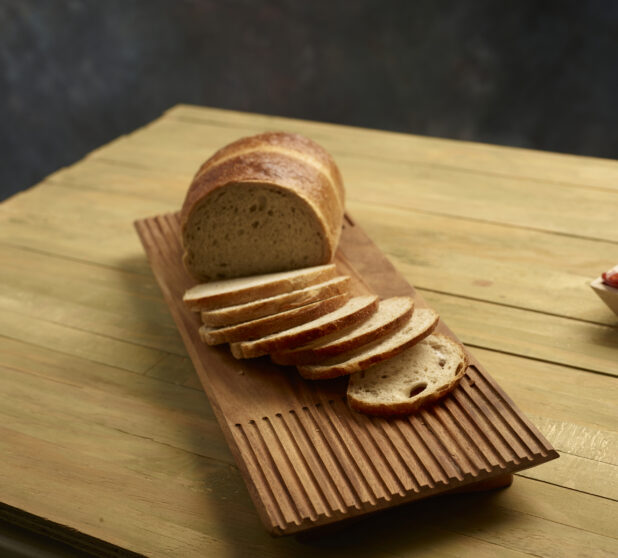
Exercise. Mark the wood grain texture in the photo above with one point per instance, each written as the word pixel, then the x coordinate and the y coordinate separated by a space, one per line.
pixel 524 164
pixel 489 197
pixel 309 460
pixel 108 440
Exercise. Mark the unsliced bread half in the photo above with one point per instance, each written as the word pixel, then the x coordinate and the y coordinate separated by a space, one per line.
pixel 262 204
pixel 356 310
pixel 255 329
pixel 421 324
pixel 401 385
pixel 231 315
pixel 217 294
pixel 392 314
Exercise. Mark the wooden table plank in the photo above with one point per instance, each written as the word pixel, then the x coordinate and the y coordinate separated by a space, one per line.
pixel 438 233
pixel 125 327
pixel 512 330
pixel 74 373
pixel 109 248
pixel 575 210
pixel 557 397
pixel 525 383
pixel 97 348
pixel 112 177
pixel 584 475
pixel 93 401
pixel 541 335
pixel 525 164
pixel 582 441
pixel 51 289
pixel 94 287
pixel 84 208
pixel 525 267
pixel 130 434
pixel 533 334
pixel 487 252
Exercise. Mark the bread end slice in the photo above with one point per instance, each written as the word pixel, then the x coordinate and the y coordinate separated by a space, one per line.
pixel 416 377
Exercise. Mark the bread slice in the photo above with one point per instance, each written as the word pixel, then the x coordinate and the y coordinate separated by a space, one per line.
pixel 255 329
pixel 392 314
pixel 401 385
pixel 356 310
pixel 422 323
pixel 238 313
pixel 217 294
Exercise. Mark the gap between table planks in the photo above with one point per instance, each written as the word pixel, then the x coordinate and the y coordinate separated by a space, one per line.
pixel 517 202
pixel 520 282
pixel 135 429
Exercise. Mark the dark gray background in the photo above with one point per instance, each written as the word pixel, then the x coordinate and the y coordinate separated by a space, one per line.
pixel 75 74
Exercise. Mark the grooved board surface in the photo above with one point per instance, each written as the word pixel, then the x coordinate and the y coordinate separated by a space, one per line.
pixel 307 459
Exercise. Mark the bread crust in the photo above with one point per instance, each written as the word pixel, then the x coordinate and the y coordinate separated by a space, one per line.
pixel 310 372
pixel 274 323
pixel 282 141
pixel 267 289
pixel 236 314
pixel 287 161
pixel 266 346
pixel 313 355
pixel 405 408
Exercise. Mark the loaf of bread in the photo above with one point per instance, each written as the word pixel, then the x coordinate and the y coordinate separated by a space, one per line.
pixel 267 203
pixel 260 225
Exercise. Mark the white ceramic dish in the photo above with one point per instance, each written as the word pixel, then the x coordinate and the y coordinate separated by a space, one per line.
pixel 608 294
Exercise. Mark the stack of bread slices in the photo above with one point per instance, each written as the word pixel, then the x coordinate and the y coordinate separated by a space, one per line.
pixel 309 319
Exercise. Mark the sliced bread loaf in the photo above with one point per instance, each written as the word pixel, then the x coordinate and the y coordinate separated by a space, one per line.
pixel 420 325
pixel 255 329
pixel 392 314
pixel 265 203
pixel 207 296
pixel 356 310
pixel 238 313
pixel 399 386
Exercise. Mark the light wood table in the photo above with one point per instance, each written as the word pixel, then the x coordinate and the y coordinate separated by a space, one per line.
pixel 108 441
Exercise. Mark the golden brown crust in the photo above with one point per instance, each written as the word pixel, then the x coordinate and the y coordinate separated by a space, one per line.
pixel 272 324
pixel 252 350
pixel 282 141
pixel 264 290
pixel 405 408
pixel 313 355
pixel 271 305
pixel 345 369
pixel 288 161
pixel 277 170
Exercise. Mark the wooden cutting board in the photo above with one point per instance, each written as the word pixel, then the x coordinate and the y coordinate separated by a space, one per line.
pixel 307 459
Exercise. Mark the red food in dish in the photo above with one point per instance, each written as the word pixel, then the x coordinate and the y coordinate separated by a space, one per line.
pixel 611 278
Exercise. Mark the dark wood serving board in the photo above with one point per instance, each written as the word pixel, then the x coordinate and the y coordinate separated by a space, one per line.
pixel 307 459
